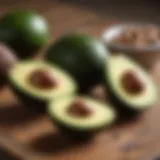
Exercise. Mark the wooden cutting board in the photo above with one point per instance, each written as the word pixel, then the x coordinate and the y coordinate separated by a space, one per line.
pixel 32 136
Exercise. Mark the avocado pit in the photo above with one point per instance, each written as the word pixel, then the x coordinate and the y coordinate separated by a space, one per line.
pixel 80 108
pixel 42 79
pixel 131 83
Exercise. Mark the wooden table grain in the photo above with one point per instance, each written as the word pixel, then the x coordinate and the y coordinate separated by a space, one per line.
pixel 34 134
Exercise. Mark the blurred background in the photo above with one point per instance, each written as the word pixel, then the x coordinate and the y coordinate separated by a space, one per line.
pixel 138 10
pixel 61 13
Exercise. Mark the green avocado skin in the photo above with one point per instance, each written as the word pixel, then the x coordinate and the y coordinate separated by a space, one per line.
pixel 24 31
pixel 81 55
pixel 76 134
pixel 122 108
pixel 71 133
pixel 28 100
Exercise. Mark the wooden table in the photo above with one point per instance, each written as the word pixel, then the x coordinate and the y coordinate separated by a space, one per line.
pixel 31 135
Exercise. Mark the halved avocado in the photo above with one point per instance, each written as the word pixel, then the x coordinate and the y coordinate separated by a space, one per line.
pixel 81 116
pixel 130 87
pixel 36 82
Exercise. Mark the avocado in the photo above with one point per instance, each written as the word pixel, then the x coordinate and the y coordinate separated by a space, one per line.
pixel 81 55
pixel 36 82
pixel 130 87
pixel 80 116
pixel 7 60
pixel 24 31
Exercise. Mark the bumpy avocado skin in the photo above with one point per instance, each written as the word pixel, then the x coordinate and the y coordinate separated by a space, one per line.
pixel 28 100
pixel 81 55
pixel 24 31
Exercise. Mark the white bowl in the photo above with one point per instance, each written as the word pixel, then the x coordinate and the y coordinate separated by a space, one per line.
pixel 146 55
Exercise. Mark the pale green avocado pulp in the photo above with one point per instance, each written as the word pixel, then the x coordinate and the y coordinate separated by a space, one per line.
pixel 21 71
pixel 119 64
pixel 102 115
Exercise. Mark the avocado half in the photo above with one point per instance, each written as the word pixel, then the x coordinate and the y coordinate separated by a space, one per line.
pixel 143 97
pixel 33 96
pixel 81 127
pixel 24 31
pixel 81 55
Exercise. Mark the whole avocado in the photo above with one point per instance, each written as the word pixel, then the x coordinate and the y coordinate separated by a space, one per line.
pixel 24 31
pixel 7 61
pixel 81 55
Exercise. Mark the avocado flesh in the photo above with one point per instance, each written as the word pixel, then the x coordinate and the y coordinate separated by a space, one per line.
pixel 19 74
pixel 102 115
pixel 118 65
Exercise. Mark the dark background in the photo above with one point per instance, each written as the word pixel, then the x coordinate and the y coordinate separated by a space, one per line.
pixel 126 10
